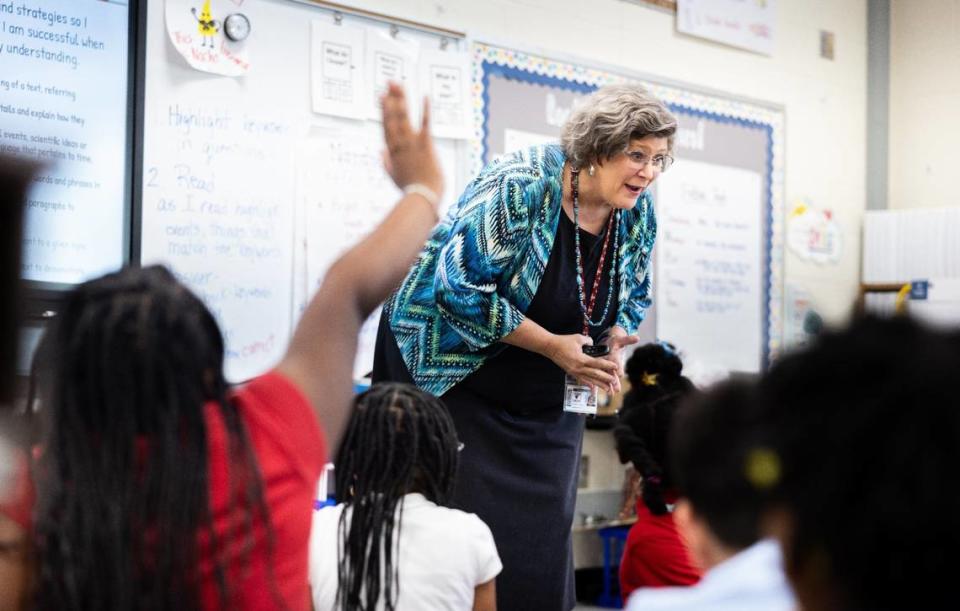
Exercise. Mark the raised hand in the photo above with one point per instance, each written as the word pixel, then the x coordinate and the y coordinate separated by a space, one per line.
pixel 410 157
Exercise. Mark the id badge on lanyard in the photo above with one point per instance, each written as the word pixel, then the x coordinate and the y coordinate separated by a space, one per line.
pixel 579 398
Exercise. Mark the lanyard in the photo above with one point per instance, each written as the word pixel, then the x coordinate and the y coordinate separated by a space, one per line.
pixel 611 228
pixel 592 296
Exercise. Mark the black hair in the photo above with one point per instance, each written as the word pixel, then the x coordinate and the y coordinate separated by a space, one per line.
pixel 654 370
pixel 641 435
pixel 125 372
pixel 714 438
pixel 15 177
pixel 866 424
pixel 399 440
pixel 656 386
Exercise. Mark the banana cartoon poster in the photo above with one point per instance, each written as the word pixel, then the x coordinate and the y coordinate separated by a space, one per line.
pixel 211 35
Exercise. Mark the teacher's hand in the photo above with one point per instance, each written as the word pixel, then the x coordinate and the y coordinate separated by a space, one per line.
pixel 618 340
pixel 567 352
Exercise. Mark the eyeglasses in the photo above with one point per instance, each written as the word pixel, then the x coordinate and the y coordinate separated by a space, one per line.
pixel 639 160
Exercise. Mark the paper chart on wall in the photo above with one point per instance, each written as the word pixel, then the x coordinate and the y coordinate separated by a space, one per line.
pixel 195 28
pixel 445 79
pixel 348 155
pixel 389 58
pixel 337 68
pixel 708 266
pixel 226 238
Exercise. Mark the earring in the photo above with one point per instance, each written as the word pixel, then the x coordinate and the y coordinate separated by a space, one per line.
pixel 591 170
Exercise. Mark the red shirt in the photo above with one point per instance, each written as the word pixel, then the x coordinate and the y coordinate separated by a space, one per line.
pixel 654 554
pixel 290 451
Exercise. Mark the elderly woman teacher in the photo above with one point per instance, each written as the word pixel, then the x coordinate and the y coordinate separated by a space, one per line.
pixel 546 253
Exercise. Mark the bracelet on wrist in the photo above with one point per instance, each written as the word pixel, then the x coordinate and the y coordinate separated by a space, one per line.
pixel 425 192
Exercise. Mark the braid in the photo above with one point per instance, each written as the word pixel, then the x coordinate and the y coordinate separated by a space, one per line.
pixel 641 437
pixel 399 440
pixel 126 370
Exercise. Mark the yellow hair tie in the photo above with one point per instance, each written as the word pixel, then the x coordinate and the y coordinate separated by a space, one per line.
pixel 649 379
pixel 762 468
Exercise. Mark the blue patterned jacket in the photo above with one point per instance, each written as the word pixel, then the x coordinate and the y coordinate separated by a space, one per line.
pixel 482 265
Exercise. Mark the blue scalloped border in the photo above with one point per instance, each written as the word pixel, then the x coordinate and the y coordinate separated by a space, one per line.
pixel 516 74
pixel 767 208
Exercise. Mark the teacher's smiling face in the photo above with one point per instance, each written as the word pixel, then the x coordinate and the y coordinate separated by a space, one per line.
pixel 622 178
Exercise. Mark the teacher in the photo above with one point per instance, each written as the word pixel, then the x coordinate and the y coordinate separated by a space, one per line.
pixel 546 252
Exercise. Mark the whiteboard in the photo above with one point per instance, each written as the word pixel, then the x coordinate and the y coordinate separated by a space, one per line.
pixel 64 100
pixel 709 266
pixel 248 194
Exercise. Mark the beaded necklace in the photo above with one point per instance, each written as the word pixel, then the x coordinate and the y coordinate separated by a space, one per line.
pixel 612 224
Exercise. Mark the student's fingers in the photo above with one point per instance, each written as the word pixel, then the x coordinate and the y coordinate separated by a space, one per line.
pixel 396 124
pixel 387 163
pixel 425 119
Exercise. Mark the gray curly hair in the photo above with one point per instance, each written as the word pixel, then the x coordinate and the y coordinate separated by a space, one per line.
pixel 605 123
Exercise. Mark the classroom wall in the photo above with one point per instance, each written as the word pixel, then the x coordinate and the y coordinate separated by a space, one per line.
pixel 825 101
pixel 924 98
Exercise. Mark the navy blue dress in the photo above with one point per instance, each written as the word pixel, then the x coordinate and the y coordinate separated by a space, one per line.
pixel 518 469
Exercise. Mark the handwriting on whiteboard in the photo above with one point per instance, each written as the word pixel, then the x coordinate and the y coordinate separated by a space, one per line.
pixel 217 209
pixel 709 265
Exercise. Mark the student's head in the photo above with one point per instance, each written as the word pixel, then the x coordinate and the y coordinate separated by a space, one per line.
pixel 124 372
pixel 641 434
pixel 715 456
pixel 127 352
pixel 866 426
pixel 399 440
pixel 15 177
pixel 654 370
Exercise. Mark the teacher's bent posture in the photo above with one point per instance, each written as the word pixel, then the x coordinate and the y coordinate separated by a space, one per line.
pixel 547 251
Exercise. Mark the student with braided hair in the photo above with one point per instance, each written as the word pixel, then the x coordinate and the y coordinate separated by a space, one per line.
pixel 654 370
pixel 393 542
pixel 15 178
pixel 654 555
pixel 157 485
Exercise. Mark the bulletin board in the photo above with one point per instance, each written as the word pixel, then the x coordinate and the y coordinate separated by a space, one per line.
pixel 718 263
pixel 262 157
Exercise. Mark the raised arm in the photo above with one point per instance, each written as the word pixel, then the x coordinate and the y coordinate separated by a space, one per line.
pixel 321 353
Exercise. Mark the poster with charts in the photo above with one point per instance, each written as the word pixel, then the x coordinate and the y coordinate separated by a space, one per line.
pixel 391 59
pixel 445 80
pixel 336 68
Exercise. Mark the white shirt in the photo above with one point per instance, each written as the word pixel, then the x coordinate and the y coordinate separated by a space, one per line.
pixel 444 554
pixel 751 580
